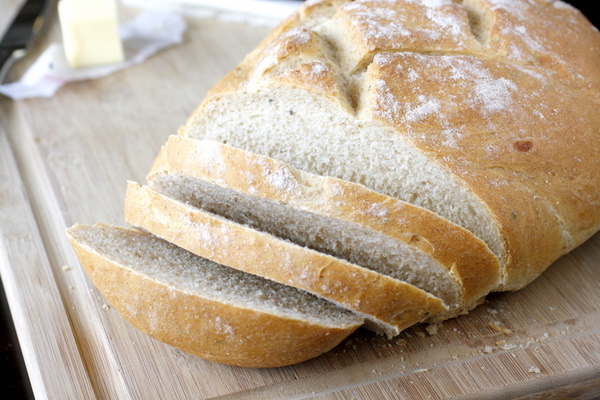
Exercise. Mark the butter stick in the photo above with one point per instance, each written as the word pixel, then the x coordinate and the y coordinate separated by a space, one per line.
pixel 90 32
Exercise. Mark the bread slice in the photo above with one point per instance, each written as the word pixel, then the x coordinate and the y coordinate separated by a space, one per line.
pixel 484 112
pixel 209 310
pixel 333 216
pixel 387 304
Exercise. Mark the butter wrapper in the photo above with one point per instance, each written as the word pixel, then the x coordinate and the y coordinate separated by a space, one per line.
pixel 143 36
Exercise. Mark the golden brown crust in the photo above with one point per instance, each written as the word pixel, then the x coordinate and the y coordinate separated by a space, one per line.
pixel 454 248
pixel 536 175
pixel 382 298
pixel 195 324
pixel 502 95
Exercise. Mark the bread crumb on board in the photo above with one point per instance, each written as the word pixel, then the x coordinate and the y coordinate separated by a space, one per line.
pixel 505 346
pixel 496 326
pixel 433 328
pixel 534 370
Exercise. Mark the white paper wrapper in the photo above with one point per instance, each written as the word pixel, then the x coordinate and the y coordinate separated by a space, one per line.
pixel 253 12
pixel 143 36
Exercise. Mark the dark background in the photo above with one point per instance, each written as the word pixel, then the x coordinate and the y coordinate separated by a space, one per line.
pixel 14 383
pixel 586 7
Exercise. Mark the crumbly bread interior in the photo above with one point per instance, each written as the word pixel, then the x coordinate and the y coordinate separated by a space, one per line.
pixel 170 265
pixel 341 239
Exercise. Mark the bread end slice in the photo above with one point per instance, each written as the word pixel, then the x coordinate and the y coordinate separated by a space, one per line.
pixel 206 309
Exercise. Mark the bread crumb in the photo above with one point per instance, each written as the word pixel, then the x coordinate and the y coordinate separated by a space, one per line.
pixel 488 349
pixel 492 311
pixel 420 334
pixel 66 268
pixel 422 370
pixel 433 328
pixel 534 370
pixel 496 326
pixel 507 347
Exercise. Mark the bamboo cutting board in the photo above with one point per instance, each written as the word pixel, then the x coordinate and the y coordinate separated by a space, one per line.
pixel 67 159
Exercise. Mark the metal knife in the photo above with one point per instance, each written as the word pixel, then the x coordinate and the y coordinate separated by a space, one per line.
pixel 20 33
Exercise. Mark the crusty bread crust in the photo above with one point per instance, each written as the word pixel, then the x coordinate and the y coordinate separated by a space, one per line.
pixel 195 324
pixel 389 303
pixel 463 255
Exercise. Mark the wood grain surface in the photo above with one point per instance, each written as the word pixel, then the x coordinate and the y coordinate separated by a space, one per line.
pixel 67 159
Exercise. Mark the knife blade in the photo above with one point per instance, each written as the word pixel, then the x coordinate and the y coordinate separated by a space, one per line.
pixel 20 33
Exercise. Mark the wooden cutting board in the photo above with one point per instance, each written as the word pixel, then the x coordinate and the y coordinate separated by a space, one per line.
pixel 67 159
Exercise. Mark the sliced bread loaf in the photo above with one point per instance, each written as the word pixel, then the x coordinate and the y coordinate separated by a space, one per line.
pixel 333 216
pixel 387 304
pixel 206 309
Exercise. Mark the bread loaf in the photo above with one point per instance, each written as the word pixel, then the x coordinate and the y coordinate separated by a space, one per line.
pixel 482 111
pixel 206 309
pixel 399 158
pixel 332 216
